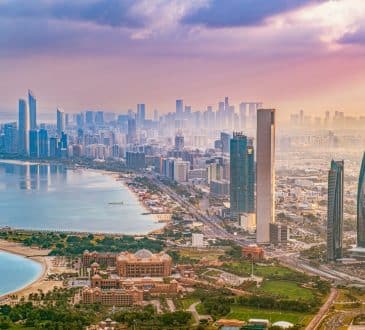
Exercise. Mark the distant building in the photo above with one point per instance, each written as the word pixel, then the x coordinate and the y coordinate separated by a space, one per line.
pixel 279 234
pixel 225 138
pixel 168 168
pixel 53 147
pixel 141 114
pixel 132 131
pixel 23 133
pixel 179 108
pixel 253 252
pixel 11 138
pixel 32 110
pixel 248 221
pixel 265 174
pixel 214 172
pixel 33 144
pixel 135 160
pixel 43 143
pixel 179 142
pixel 61 121
pixel 181 169
pixel 242 173
pixel 219 187
pixel 335 210
pixel 197 240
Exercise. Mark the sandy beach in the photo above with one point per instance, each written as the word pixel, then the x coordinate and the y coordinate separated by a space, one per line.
pixel 48 267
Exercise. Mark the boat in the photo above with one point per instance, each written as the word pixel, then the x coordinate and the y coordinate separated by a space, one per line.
pixel 116 203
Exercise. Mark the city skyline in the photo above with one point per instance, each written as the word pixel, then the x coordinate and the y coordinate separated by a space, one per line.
pixel 126 56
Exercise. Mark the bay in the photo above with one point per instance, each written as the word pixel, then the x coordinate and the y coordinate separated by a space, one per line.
pixel 52 197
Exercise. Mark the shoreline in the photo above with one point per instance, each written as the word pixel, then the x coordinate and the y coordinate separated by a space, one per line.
pixel 25 252
pixel 117 176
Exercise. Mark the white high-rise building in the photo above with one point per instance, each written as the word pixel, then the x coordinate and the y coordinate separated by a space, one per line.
pixel 197 240
pixel 265 174
pixel 23 141
pixel 181 169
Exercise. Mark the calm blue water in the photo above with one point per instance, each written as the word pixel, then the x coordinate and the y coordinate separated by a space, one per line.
pixel 55 198
pixel 16 272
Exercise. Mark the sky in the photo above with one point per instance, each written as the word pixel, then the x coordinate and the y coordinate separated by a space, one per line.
pixel 113 54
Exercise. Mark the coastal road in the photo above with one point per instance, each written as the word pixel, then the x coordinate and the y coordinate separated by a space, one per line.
pixel 212 227
pixel 316 321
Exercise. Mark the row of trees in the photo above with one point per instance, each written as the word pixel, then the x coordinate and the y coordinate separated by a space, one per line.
pixel 72 245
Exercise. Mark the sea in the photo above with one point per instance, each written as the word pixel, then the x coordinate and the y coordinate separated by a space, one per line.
pixel 54 197
pixel 16 272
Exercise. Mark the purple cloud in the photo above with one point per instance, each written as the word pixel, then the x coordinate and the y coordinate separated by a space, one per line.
pixel 234 13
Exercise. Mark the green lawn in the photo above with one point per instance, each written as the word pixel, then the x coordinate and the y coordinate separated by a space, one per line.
pixel 246 313
pixel 243 268
pixel 285 289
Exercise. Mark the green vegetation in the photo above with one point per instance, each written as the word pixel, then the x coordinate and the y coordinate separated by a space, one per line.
pixel 71 245
pixel 246 313
pixel 147 318
pixel 285 289
pixel 269 271
pixel 55 312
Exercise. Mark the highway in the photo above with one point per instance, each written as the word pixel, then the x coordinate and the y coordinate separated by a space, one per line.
pixel 212 229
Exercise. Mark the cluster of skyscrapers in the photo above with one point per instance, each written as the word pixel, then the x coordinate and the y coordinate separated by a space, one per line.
pixel 335 211
pixel 28 139
pixel 245 175
pixel 176 145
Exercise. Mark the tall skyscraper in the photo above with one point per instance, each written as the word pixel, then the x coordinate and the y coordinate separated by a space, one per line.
pixel 335 210
pixel 23 140
pixel 179 142
pixel 179 108
pixel 242 169
pixel 53 146
pixel 32 110
pixel 132 131
pixel 225 138
pixel 141 114
pixel 265 174
pixel 11 138
pixel 43 143
pixel 60 121
pixel 89 118
pixel 361 206
pixel 99 118
pixel 33 143
pixel 243 115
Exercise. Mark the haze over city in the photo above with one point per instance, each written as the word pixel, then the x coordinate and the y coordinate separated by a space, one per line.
pixel 180 164
pixel 111 55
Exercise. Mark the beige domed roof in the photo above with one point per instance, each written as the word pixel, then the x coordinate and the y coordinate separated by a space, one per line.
pixel 143 254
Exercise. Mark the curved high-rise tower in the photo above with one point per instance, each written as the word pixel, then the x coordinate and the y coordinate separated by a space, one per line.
pixel 361 206
pixel 335 210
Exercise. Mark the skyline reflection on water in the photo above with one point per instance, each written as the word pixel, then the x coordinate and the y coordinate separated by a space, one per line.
pixel 52 197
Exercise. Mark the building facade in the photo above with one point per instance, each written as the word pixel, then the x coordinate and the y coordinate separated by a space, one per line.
pixel 265 174
pixel 335 210
pixel 361 206
pixel 32 110
pixel 143 263
pixel 113 297
pixel 23 133
pixel 242 170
